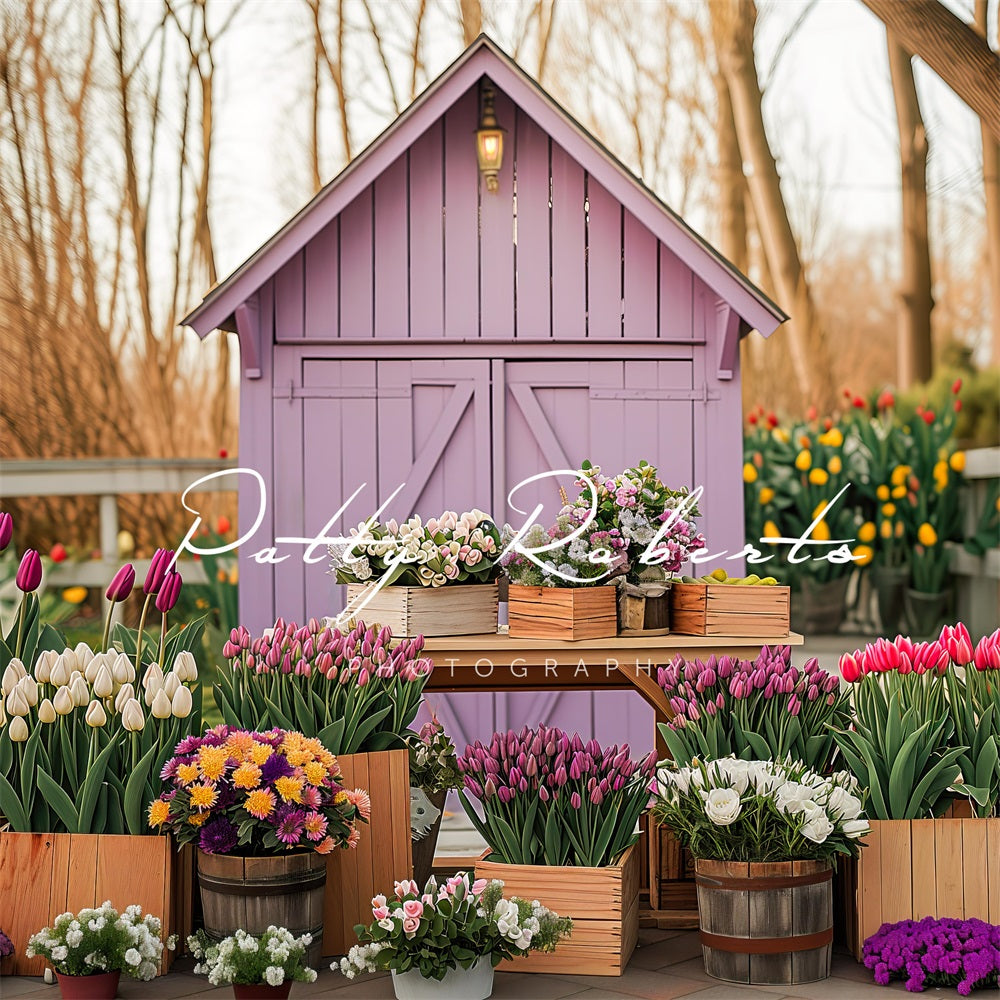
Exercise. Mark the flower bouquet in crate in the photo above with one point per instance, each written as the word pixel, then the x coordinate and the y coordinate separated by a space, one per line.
pixel 561 818
pixel 446 940
pixel 423 578
pixel 771 829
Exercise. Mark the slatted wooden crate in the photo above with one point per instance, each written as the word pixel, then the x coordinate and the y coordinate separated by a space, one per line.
pixel 383 855
pixel 603 903
pixel 671 878
pixel 461 609
pixel 45 874
pixel 729 609
pixel 923 868
pixel 562 612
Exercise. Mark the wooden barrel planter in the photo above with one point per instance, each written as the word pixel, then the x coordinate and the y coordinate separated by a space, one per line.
pixel 253 893
pixel 766 924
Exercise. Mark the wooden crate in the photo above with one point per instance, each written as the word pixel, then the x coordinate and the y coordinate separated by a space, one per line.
pixel 383 855
pixel 460 609
pixel 562 612
pixel 603 903
pixel 923 868
pixel 45 874
pixel 671 878
pixel 729 609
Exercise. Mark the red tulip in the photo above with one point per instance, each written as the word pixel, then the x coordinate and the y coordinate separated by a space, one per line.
pixel 849 668
pixel 859 403
pixel 223 525
pixel 958 642
pixel 752 419
pixel 58 553
pixel 886 401
pixel 812 413
pixel 956 386
pixel 928 417
pixel 987 653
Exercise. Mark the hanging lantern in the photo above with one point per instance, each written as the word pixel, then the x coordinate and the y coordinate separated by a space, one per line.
pixel 489 139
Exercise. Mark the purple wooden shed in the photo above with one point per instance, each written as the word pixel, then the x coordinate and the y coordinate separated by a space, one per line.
pixel 409 326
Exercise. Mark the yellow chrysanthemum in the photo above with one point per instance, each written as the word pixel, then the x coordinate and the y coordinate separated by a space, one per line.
pixel 298 757
pixel 292 741
pixel 766 494
pixel 863 554
pixel 771 530
pixel 835 465
pixel 957 461
pixel 340 798
pixel 803 460
pixel 328 760
pixel 781 435
pixel 203 796
pixel 819 477
pixel 821 532
pixel 241 742
pixel 926 535
pixel 290 789
pixel 882 493
pixel 212 762
pixel 186 773
pixel 196 819
pixel 259 753
pixel 886 529
pixel 833 438
pixel 866 533
pixel 749 472
pixel 888 510
pixel 899 474
pixel 315 772
pixel 158 812
pixel 898 492
pixel 260 803
pixel 247 775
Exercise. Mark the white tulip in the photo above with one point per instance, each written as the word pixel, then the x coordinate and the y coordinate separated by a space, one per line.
pixel 104 683
pixel 14 672
pixel 122 670
pixel 96 716
pixel 151 692
pixel 182 704
pixel 125 692
pixel 75 675
pixel 91 667
pixel 70 659
pixel 843 805
pixel 723 806
pixel 63 701
pixel 29 688
pixel 185 666
pixel 84 654
pixel 132 717
pixel 170 685
pixel 18 730
pixel 59 674
pixel 81 693
pixel 161 705
pixel 44 664
pixel 17 704
pixel 153 675
pixel 46 711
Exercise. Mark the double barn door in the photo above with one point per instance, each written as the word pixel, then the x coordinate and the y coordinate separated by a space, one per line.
pixel 457 434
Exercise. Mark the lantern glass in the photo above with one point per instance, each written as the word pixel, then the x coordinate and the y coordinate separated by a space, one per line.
pixel 490 149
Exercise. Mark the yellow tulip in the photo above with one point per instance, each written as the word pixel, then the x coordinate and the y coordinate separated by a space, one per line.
pixel 803 460
pixel 821 532
pixel 957 461
pixel 899 529
pixel 781 435
pixel 835 465
pixel 749 474
pixel 886 529
pixel 882 493
pixel 833 438
pixel 899 474
pixel 234 576
pixel 926 535
pixel 766 495
pixel 866 532
pixel 771 530
pixel 941 476
pixel 898 492
pixel 863 554
pixel 818 509
pixel 819 477
pixel 74 595
pixel 888 510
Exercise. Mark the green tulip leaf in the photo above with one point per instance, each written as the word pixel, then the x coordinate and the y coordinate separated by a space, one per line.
pixel 134 789
pixel 61 803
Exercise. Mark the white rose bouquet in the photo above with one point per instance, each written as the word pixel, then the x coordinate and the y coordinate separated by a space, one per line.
pixel 751 810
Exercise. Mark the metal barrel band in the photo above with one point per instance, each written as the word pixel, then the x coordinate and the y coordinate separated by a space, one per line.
pixel 767 946
pixel 736 884
pixel 227 888
pixel 316 931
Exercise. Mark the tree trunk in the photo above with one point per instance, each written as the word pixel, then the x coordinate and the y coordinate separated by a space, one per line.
pixel 733 29
pixel 952 48
pixel 731 183
pixel 914 357
pixel 991 186
pixel 472 20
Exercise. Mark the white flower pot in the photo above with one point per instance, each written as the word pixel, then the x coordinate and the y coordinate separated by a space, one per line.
pixel 474 983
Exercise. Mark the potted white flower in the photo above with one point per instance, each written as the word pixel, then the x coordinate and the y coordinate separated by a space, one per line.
pixel 764 835
pixel 263 966
pixel 91 949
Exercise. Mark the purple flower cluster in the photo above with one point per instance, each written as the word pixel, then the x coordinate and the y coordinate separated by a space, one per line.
pixel 936 952
pixel 6 946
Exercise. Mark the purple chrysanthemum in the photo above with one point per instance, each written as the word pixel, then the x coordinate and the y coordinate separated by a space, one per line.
pixel 276 766
pixel 290 827
pixel 6 946
pixel 218 836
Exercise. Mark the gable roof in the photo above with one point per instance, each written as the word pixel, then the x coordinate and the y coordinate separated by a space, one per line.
pixel 484 58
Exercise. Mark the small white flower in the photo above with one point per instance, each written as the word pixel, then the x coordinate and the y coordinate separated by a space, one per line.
pixel 723 806
pixel 132 957
pixel 855 828
pixel 59 953
pixel 817 828
pixel 274 975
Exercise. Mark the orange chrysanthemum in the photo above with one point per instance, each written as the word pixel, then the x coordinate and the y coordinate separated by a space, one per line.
pixel 315 773
pixel 260 803
pixel 361 801
pixel 247 775
pixel 212 762
pixel 326 845
pixel 186 773
pixel 203 796
pixel 298 756
pixel 159 812
pixel 196 819
pixel 259 753
pixel 290 789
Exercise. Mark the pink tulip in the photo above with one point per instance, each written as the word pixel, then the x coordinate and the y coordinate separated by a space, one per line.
pixel 413 908
pixel 849 668
pixel 410 925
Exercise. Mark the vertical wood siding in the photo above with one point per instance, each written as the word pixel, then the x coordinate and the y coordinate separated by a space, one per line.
pixel 426 252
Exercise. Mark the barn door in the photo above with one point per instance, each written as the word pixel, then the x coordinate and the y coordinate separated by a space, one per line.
pixel 553 415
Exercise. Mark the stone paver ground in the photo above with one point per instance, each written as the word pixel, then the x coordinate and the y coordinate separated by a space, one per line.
pixel 666 965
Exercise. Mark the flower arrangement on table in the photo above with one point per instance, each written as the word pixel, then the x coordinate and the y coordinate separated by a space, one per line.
pixel 936 952
pixel 433 763
pixel 354 691
pixel 636 504
pixel 759 811
pixel 925 723
pixel 449 549
pixel 257 793
pixel 450 926
pixel 548 798
pixel 273 958
pixel 763 709
pixel 100 940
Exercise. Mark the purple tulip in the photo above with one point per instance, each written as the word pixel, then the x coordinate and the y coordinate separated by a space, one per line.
pixel 122 584
pixel 6 529
pixel 575 800
pixel 157 570
pixel 29 573
pixel 170 590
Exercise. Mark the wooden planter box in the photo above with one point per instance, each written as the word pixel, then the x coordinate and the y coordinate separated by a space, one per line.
pixel 923 868
pixel 45 874
pixel 603 903
pixel 382 857
pixel 728 609
pixel 671 879
pixel 562 612
pixel 462 609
